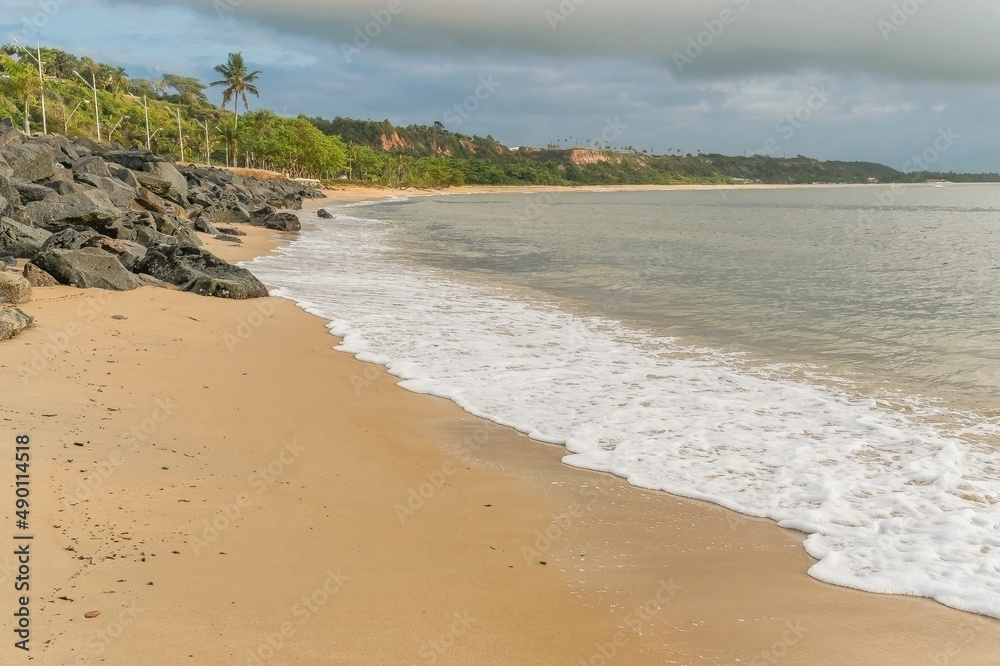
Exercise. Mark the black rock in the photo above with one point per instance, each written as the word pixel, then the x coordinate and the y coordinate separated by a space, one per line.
pixel 30 161
pixel 65 186
pixel 92 208
pixel 120 195
pixel 130 159
pixel 206 227
pixel 19 240
pixel 258 216
pixel 71 238
pixel 199 271
pixel 128 253
pixel 219 214
pixel 325 214
pixel 148 237
pixel 283 222
pixel 29 191
pixel 87 269
pixel 93 165
pixel 8 133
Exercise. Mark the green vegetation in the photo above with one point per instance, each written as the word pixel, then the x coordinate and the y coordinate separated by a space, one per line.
pixel 363 151
pixel 263 140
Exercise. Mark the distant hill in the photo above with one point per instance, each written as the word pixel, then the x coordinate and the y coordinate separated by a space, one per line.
pixel 485 161
pixel 364 150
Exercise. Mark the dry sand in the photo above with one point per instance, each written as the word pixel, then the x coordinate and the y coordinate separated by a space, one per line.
pixel 226 489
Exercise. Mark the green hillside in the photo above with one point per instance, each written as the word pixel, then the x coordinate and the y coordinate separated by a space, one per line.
pixel 366 151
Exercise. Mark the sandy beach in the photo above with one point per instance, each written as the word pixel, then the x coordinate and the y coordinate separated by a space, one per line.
pixel 226 488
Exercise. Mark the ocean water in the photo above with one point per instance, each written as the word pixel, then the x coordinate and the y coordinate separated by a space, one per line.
pixel 827 357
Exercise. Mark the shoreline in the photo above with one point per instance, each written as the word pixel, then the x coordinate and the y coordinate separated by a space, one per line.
pixel 357 193
pixel 395 510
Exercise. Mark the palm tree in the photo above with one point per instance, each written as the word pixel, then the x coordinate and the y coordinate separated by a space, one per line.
pixel 238 82
pixel 230 137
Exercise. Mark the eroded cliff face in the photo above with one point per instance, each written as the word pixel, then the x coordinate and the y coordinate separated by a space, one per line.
pixel 393 141
pixel 581 156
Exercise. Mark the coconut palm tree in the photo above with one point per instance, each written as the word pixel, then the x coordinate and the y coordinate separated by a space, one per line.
pixel 230 137
pixel 238 82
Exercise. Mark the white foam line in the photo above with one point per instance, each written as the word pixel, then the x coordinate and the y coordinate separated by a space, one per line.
pixel 890 504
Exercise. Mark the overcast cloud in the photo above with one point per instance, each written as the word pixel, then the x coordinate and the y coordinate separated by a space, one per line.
pixel 906 39
pixel 836 79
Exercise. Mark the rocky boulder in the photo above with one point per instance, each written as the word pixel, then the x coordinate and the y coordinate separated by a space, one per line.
pixel 36 277
pixel 92 208
pixel 282 222
pixel 219 214
pixel 169 173
pixel 65 186
pixel 185 235
pixel 127 252
pixel 196 270
pixel 146 200
pixel 136 160
pixel 12 322
pixel 87 269
pixel 325 214
pixel 8 133
pixel 120 195
pixel 206 227
pixel 152 183
pixel 93 165
pixel 8 192
pixel 29 191
pixel 148 237
pixel 124 176
pixel 21 241
pixel 258 216
pixel 14 289
pixel 71 238
pixel 30 161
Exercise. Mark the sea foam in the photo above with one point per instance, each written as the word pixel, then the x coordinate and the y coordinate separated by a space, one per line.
pixel 890 504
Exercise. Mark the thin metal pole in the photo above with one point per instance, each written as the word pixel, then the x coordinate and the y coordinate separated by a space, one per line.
pixel 37 57
pixel 208 146
pixel 145 107
pixel 180 133
pixel 41 80
pixel 97 112
pixel 70 117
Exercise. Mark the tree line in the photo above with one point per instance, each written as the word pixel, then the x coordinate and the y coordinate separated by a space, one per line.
pixel 173 114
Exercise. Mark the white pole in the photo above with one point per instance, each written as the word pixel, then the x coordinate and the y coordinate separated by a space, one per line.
pixel 180 132
pixel 37 57
pixel 208 147
pixel 145 107
pixel 97 113
pixel 70 117
pixel 41 80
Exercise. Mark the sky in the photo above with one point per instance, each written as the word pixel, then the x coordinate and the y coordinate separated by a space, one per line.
pixel 908 83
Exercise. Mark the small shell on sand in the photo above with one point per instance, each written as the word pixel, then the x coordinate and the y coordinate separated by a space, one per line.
pixel 92 614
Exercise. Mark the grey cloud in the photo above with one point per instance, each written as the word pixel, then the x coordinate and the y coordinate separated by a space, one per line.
pixel 904 39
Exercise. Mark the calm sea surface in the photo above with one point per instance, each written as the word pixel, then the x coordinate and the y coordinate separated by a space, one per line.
pixel 828 357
